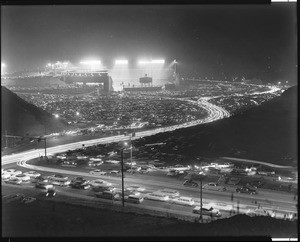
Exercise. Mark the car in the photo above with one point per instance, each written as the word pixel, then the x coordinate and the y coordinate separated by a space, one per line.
pixel 44 185
pixel 32 174
pixel 5 176
pixel 58 177
pixel 14 180
pixel 207 211
pixel 103 187
pixel 171 193
pixel 39 179
pixel 95 163
pixel 187 201
pixel 98 172
pixel 98 182
pixel 126 192
pixel 51 192
pixel 134 199
pixel 259 212
pixel 190 183
pixel 23 177
pixel 60 182
pixel 114 173
pixel 246 190
pixel 13 172
pixel 108 195
pixel 157 197
pixel 79 185
pixel 136 188
pixel 80 179
pixel 213 186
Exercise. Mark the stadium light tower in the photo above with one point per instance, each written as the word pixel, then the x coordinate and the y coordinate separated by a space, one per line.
pixel 121 62
pixel 2 67
pixel 144 62
pixel 158 61
pixel 92 64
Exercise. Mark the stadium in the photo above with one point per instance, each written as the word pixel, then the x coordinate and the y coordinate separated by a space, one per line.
pixel 122 75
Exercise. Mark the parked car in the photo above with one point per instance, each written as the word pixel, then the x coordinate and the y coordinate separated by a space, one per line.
pixel 259 212
pixel 98 172
pixel 57 177
pixel 80 179
pixel 13 172
pixel 102 188
pixel 207 211
pixel 95 163
pixel 23 177
pixel 134 199
pixel 108 195
pixel 213 186
pixel 39 179
pixel 44 185
pixel 187 201
pixel 98 182
pixel 126 192
pixel 32 174
pixel 80 185
pixel 114 173
pixel 171 193
pixel 246 190
pixel 14 180
pixel 5 176
pixel 190 183
pixel 136 188
pixel 156 196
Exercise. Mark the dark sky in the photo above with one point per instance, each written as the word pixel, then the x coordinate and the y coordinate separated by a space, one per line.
pixel 242 39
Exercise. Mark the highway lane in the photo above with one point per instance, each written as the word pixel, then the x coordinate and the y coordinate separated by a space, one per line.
pixel 268 199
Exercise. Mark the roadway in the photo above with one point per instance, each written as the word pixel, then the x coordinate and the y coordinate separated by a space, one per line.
pixel 270 200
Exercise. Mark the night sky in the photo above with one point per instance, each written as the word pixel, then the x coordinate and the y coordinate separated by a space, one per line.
pixel 248 40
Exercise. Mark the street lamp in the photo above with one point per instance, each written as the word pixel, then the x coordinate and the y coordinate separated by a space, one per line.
pixel 122 170
pixel 201 176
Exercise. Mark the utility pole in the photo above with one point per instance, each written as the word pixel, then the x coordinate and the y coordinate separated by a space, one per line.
pixel 201 200
pixel 122 171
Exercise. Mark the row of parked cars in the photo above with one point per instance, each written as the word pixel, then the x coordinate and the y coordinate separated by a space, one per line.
pixel 106 190
pixel 216 187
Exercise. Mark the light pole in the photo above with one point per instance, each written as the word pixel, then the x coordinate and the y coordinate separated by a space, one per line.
pixel 122 172
pixel 201 176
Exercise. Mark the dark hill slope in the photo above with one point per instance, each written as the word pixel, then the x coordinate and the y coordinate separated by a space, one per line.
pixel 266 132
pixel 20 117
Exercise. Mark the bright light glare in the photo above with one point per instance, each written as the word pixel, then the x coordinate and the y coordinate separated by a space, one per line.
pixel 49 64
pixel 3 65
pixel 95 62
pixel 121 62
pixel 56 116
pixel 142 62
pixel 158 61
pixel 77 113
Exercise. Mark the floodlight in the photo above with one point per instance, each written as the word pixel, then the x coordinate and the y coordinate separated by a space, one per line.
pixel 56 115
pixel 121 62
pixel 142 62
pixel 158 61
pixel 95 62
pixel 3 65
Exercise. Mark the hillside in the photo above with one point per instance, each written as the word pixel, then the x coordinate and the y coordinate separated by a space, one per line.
pixel 267 132
pixel 20 117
